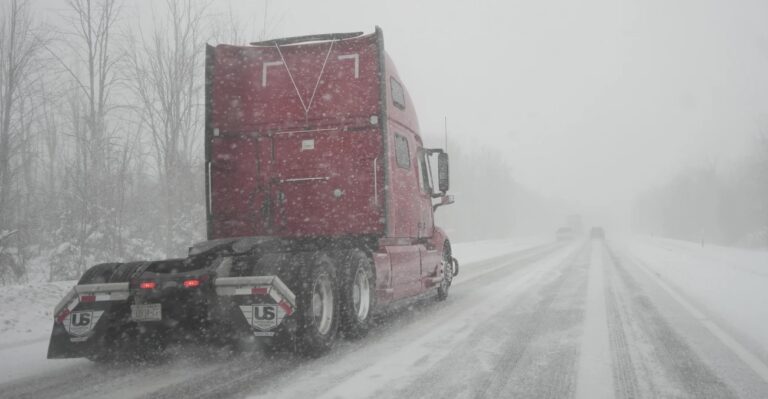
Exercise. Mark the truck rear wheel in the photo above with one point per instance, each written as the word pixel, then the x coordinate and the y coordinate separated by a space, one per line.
pixel 318 310
pixel 357 296
pixel 445 283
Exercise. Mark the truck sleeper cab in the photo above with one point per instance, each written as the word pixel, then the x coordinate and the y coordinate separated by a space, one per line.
pixel 319 205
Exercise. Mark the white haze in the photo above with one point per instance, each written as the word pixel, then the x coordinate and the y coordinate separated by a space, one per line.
pixel 590 102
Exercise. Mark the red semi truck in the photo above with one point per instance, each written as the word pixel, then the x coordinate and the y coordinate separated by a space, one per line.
pixel 320 200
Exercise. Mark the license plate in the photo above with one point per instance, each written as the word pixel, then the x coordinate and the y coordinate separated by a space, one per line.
pixel 146 312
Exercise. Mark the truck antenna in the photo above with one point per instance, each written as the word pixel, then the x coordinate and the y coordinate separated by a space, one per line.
pixel 264 23
pixel 446 134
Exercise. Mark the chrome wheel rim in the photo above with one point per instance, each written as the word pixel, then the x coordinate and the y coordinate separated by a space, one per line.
pixel 361 294
pixel 322 304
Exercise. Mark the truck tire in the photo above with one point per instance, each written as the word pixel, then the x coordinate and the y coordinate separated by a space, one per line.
pixel 318 308
pixel 357 295
pixel 445 283
pixel 97 274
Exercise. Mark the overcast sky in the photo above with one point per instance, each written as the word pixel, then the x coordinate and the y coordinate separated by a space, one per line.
pixel 590 100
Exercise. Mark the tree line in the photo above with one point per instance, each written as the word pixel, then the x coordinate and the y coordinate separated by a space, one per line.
pixel 100 134
pixel 711 204
pixel 490 202
pixel 101 120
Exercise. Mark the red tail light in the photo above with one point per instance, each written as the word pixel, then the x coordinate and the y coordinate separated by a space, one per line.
pixel 88 298
pixel 147 285
pixel 62 315
pixel 191 283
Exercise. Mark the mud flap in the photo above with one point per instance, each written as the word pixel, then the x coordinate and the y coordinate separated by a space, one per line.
pixel 84 315
pixel 261 304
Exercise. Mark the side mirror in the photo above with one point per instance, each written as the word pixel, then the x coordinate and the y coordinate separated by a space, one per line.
pixel 444 200
pixel 443 181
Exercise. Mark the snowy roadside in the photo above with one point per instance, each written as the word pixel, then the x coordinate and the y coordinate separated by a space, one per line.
pixel 26 311
pixel 26 316
pixel 729 284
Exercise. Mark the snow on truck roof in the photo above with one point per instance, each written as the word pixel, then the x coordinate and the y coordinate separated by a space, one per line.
pixel 307 38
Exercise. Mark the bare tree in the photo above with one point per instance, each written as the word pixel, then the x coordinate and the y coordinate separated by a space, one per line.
pixel 19 45
pixel 90 62
pixel 233 27
pixel 166 77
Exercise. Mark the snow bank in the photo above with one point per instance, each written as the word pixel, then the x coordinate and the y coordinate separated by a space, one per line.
pixel 729 284
pixel 26 311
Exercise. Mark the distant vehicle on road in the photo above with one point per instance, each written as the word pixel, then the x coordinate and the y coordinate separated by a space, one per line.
pixel 597 233
pixel 565 234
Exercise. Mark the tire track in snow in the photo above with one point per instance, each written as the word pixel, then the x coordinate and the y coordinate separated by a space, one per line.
pixel 232 382
pixel 540 361
pixel 680 372
pixel 401 356
pixel 518 351
pixel 625 380
pixel 754 362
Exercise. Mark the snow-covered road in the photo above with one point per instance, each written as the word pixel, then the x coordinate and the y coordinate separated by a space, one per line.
pixel 587 319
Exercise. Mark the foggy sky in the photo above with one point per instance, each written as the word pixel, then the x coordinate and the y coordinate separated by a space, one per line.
pixel 591 101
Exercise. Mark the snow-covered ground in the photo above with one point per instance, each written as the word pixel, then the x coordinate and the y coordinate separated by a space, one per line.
pixel 728 285
pixel 641 317
pixel 26 317
pixel 26 311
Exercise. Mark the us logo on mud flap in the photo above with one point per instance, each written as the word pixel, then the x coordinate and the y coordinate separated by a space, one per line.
pixel 263 317
pixel 81 323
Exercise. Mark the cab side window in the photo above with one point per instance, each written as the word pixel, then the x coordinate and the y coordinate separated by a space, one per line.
pixel 402 154
pixel 398 94
pixel 424 181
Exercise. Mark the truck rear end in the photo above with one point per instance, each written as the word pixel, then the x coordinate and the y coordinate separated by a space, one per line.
pixel 293 140
pixel 314 220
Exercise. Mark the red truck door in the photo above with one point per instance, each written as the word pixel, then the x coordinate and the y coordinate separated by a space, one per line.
pixel 427 223
pixel 430 258
pixel 404 213
pixel 405 209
